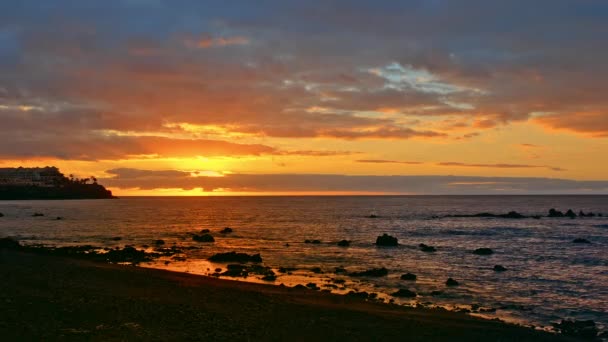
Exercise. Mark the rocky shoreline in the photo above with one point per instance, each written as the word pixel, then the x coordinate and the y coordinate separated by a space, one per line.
pixel 50 297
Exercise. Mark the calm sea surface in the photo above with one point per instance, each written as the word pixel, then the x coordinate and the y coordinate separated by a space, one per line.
pixel 548 276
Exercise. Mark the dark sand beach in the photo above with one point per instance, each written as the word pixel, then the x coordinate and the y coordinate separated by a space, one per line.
pixel 55 298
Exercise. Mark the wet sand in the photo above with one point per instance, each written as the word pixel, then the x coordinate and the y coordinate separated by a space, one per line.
pixel 55 298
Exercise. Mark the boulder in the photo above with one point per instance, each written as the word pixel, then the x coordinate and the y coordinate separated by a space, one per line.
pixel 483 251
pixel 570 214
pixel 499 268
pixel 312 286
pixel 316 242
pixel 387 240
pixel 344 243
pixel 513 215
pixel 9 243
pixel 316 270
pixel 269 277
pixel 203 238
pixel 159 242
pixel 37 214
pixel 408 276
pixel 235 257
pixel 116 238
pixel 58 218
pixel 427 248
pixel 580 240
pixel 205 231
pixel 404 293
pixel 372 216
pixel 226 230
pixel 451 282
pixel 555 213
pixel 374 272
pixel 1 215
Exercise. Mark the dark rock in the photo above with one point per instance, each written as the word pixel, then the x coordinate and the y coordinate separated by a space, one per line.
pixel 37 214
pixel 300 287
pixel 373 216
pixel 203 238
pixel 159 242
pixel 316 270
pixel 374 272
pixel 570 214
pixel 312 286
pixel 584 329
pixel 360 295
pixel 451 282
pixel 344 243
pixel 499 268
pixel 513 215
pixel 580 240
pixel 269 277
pixel 235 270
pixel 205 231
pixel 316 242
pixel 404 293
pixel 340 270
pixel 427 248
pixel 218 270
pixel 116 238
pixel 226 230
pixel 58 218
pixel 555 213
pixel 1 215
pixel 128 254
pixel 235 257
pixel 436 293
pixel 9 243
pixel 483 251
pixel 386 240
pixel 408 276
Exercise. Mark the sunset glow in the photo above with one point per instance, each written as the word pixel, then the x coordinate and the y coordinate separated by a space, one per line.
pixel 156 99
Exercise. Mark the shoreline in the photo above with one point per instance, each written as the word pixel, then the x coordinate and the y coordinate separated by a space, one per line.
pixel 50 297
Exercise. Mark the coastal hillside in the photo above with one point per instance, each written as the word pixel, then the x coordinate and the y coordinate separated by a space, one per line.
pixel 47 183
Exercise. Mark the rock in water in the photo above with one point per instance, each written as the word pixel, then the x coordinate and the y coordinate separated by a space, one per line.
pixel 408 276
pixel 483 251
pixel 226 230
pixel 386 240
pixel 555 213
pixel 404 293
pixel 451 282
pixel 580 240
pixel 235 257
pixel 374 272
pixel 427 248
pixel 499 268
pixel 570 214
pixel 344 243
pixel 203 238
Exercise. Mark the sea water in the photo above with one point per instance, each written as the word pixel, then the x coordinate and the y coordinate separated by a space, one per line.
pixel 548 277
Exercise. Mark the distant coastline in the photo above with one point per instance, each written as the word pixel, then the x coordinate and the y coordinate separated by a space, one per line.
pixel 48 183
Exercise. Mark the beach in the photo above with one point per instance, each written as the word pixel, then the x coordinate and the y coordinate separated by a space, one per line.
pixel 50 298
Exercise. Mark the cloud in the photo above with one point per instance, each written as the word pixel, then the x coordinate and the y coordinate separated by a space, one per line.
pixel 147 179
pixel 208 41
pixel 500 166
pixel 383 161
pixel 593 124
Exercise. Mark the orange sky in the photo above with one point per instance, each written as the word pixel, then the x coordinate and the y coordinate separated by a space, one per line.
pixel 154 98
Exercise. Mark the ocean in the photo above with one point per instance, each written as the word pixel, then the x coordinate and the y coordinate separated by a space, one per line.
pixel 548 277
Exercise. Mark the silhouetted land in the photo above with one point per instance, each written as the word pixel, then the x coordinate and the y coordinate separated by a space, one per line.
pixel 49 298
pixel 65 191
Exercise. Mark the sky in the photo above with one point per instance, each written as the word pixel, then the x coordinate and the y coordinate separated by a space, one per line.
pixel 185 97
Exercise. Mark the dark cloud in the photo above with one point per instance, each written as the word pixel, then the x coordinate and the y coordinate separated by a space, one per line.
pixel 293 69
pixel 144 179
pixel 383 161
pixel 500 166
